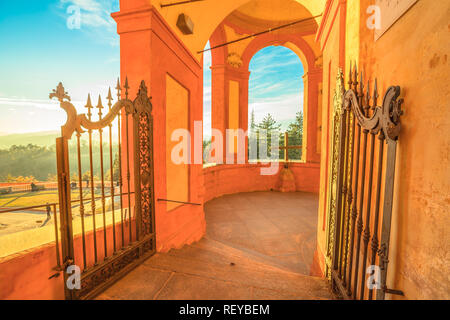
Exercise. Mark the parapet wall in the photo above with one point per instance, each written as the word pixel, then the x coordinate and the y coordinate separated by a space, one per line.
pixel 228 179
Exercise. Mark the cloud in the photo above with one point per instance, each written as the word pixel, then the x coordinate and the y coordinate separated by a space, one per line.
pixel 95 18
pixel 282 107
pixel 17 102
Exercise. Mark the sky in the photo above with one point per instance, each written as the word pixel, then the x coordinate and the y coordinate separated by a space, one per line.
pixel 275 86
pixel 42 44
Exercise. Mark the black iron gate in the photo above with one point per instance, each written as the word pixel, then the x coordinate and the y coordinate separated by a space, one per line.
pixel 362 188
pixel 107 211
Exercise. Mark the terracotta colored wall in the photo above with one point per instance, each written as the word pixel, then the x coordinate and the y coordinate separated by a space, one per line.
pixel 330 39
pixel 177 117
pixel 207 16
pixel 25 275
pixel 414 54
pixel 150 51
pixel 230 179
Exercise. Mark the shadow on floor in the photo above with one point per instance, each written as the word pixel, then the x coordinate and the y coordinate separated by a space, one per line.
pixel 258 246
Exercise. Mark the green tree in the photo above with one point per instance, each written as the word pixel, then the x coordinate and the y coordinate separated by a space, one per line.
pixel 295 131
pixel 29 160
pixel 270 125
pixel 252 120
pixel 116 169
pixel 206 150
pixel 86 177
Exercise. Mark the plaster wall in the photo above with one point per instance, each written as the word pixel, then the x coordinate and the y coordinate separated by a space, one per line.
pixel 414 54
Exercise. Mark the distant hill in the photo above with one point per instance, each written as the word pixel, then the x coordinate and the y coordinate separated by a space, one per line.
pixel 44 138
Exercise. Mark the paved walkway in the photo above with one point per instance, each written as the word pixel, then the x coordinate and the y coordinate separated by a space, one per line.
pixel 258 246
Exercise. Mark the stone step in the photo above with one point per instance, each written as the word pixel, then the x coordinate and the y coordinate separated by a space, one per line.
pixel 209 263
pixel 235 252
pixel 255 255
pixel 212 252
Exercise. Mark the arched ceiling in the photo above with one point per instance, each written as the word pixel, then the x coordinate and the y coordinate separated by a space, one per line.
pixel 208 14
pixel 274 10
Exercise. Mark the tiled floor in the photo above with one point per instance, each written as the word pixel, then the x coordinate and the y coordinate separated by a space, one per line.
pixel 258 246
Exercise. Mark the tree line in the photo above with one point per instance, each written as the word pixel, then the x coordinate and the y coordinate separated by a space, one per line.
pixel 28 163
pixel 271 126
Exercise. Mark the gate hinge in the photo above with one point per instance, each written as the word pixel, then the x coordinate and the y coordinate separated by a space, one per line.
pixel 67 263
pixel 393 291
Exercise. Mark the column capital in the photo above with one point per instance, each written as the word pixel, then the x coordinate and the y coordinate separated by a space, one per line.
pixel 131 20
pixel 230 72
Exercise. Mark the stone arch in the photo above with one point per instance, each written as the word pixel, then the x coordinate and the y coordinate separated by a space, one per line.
pixel 295 43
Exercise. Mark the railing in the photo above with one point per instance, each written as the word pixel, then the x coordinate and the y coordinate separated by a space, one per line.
pixel 8 188
pixel 52 210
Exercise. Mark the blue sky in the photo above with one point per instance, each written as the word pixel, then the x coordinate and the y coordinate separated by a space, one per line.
pixel 39 49
pixel 275 86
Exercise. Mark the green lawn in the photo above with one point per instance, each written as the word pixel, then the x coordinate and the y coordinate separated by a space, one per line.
pixel 28 199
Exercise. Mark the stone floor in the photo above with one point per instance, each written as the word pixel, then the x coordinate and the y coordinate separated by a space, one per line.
pixel 258 246
pixel 281 226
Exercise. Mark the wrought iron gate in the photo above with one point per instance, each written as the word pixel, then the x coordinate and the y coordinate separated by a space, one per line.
pixel 107 216
pixel 359 208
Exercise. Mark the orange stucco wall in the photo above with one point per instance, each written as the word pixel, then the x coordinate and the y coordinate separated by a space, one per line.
pixel 414 54
pixel 330 41
pixel 230 179
pixel 26 275
pixel 31 274
pixel 151 51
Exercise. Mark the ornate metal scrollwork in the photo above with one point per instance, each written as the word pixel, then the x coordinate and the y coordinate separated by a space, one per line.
pixel 338 104
pixel 385 117
pixel 356 211
pixel 76 122
pixel 139 242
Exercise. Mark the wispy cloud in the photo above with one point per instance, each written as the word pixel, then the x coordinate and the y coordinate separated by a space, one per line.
pixel 95 17
pixel 17 102
pixel 275 86
pixel 282 108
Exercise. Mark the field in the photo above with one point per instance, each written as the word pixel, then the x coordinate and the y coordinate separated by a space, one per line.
pixel 12 222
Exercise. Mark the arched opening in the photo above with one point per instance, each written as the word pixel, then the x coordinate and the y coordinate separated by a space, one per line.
pixel 275 104
pixel 207 125
pixel 263 87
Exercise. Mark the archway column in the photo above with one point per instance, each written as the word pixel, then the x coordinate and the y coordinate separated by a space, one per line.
pixel 150 50
pixel 229 105
pixel 311 81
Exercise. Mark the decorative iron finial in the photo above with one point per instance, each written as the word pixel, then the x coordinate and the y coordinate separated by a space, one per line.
pixel 361 82
pixel 367 99
pixel 361 86
pixel 59 93
pixel 142 89
pixel 89 106
pixel 109 98
pixel 118 88
pixel 350 77
pixel 355 77
pixel 126 87
pixel 99 106
pixel 375 94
